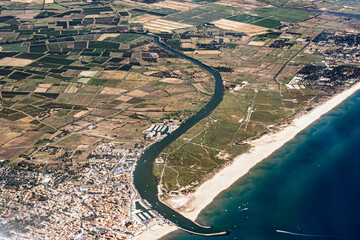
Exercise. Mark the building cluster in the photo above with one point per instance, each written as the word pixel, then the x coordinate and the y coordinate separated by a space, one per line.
pixel 339 47
pixel 107 150
pixel 341 53
pixel 295 81
pixel 158 131
pixel 99 202
pixel 331 76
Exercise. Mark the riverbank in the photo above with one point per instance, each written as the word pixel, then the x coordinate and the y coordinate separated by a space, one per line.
pixel 261 149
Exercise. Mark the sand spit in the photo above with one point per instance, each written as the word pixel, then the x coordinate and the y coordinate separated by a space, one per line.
pixel 261 149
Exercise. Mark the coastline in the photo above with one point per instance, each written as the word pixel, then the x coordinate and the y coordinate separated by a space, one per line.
pixel 156 232
pixel 262 148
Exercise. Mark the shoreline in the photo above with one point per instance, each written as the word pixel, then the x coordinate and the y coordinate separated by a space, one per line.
pixel 262 148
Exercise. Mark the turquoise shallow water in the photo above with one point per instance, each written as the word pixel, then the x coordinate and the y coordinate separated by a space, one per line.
pixel 309 189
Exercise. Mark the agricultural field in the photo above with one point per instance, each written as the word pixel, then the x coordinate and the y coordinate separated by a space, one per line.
pixel 198 16
pixel 283 15
pixel 75 74
pixel 180 6
pixel 72 93
pixel 257 98
pixel 344 6
pixel 237 26
pixel 162 25
pixel 255 20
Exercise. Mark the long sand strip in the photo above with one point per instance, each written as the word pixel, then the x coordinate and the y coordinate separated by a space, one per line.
pixel 262 148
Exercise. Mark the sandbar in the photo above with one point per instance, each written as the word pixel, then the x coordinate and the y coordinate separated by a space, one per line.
pixel 261 148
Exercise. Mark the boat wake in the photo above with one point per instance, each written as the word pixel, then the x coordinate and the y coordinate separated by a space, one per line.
pixel 311 235
pixel 244 209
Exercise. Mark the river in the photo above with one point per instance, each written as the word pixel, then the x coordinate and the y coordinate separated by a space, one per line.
pixel 340 14
pixel 145 182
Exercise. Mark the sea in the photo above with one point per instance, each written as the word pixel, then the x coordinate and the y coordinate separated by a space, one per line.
pixel 308 189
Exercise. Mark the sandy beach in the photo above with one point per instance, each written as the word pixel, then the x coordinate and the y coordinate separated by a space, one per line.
pixel 261 149
pixel 157 232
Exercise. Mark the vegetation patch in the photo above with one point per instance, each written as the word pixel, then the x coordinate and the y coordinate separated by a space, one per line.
pixel 38 48
pixel 256 20
pixel 224 69
pixel 32 56
pixel 54 60
pixel 283 15
pixel 97 82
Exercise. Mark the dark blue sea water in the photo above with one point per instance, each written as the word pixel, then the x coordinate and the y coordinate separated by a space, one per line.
pixel 310 187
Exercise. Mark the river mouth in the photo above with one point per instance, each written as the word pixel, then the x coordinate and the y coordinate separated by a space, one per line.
pixel 145 182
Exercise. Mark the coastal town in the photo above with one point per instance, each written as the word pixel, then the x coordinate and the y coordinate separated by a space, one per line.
pixel 100 202
pixel 85 89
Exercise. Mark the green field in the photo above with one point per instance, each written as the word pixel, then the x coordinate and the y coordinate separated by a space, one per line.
pixel 246 18
pixel 283 15
pixel 97 82
pixel 56 60
pixel 127 38
pixel 38 48
pixel 15 47
pixel 255 20
pixel 29 55
pixel 187 164
pixel 103 44
pixel 198 16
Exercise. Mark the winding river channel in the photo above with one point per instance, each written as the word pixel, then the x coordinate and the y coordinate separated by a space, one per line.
pixel 144 180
